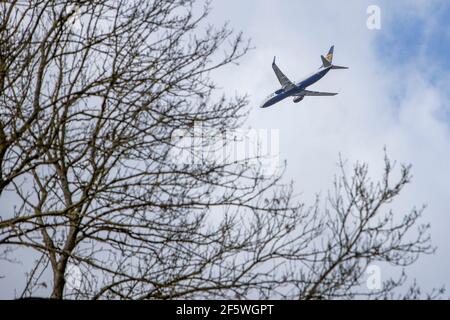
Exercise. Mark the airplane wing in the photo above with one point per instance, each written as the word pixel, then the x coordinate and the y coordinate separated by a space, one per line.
pixel 315 93
pixel 284 81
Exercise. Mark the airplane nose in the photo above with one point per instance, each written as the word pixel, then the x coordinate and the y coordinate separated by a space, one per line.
pixel 268 101
pixel 265 104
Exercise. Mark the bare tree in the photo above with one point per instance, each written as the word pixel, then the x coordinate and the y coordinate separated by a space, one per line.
pixel 22 66
pixel 93 93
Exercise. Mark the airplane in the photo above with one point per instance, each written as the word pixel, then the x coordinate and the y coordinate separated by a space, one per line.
pixel 298 91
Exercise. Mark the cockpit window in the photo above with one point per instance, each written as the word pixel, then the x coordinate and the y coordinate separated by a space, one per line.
pixel 271 95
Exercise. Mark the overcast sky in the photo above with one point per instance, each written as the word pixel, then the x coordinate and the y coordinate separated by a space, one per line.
pixel 395 94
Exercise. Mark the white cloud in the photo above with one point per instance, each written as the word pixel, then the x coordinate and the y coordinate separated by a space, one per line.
pixel 378 105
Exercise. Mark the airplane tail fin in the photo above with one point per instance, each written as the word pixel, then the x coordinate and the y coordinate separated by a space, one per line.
pixel 325 62
pixel 328 60
pixel 329 55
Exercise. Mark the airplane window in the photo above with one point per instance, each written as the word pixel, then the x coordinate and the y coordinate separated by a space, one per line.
pixel 279 91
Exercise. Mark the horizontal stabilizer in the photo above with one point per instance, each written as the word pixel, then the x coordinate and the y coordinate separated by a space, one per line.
pixel 338 67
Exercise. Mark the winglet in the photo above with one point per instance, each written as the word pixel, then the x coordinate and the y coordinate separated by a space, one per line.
pixel 273 59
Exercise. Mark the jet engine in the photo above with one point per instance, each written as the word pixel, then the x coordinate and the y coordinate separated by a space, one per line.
pixel 298 99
